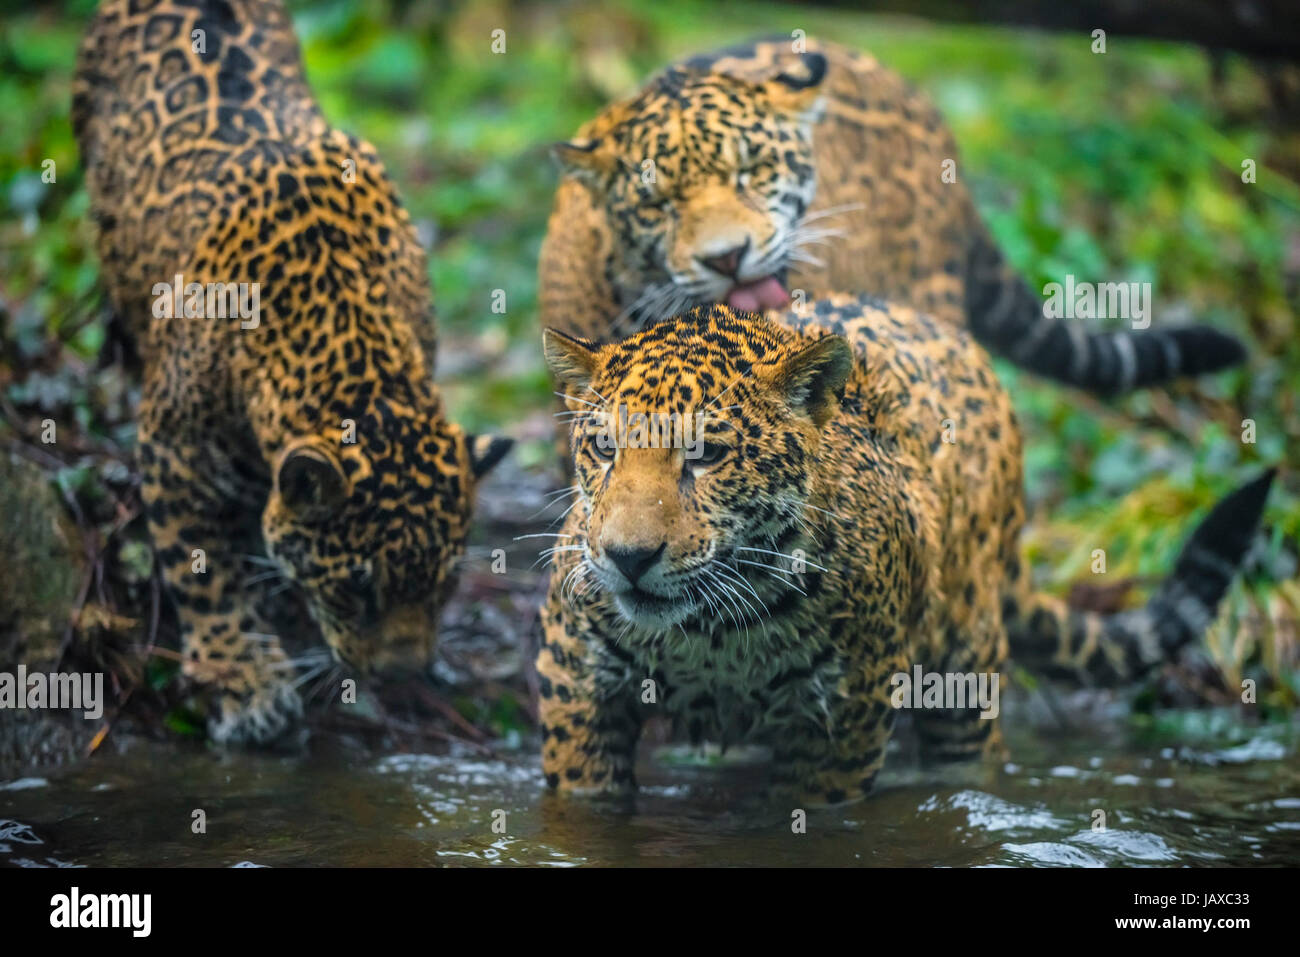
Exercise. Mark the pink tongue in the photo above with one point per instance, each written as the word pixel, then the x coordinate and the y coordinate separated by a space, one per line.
pixel 758 296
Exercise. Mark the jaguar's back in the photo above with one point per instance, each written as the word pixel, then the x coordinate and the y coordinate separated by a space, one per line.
pixel 167 97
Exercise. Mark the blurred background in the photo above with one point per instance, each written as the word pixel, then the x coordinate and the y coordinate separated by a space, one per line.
pixel 1122 166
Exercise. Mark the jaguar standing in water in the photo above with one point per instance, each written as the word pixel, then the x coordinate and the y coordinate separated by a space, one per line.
pixel 818 537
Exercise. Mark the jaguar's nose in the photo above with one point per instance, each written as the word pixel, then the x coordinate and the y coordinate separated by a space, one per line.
pixel 728 263
pixel 401 660
pixel 635 562
pixel 404 642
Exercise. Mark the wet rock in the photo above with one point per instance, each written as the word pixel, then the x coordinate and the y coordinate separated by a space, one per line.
pixel 42 566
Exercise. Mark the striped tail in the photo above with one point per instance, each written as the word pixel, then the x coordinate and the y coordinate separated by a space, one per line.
pixel 1007 318
pixel 1086 648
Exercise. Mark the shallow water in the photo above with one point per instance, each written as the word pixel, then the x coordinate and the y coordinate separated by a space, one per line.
pixel 1234 801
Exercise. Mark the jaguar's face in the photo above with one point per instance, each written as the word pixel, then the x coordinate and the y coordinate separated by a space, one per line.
pixel 371 527
pixel 705 180
pixel 694 456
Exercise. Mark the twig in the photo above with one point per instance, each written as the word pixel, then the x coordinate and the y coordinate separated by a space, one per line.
pixel 447 711
pixel 393 724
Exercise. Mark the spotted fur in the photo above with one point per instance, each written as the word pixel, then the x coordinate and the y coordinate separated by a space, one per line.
pixel 852 510
pixel 822 171
pixel 312 449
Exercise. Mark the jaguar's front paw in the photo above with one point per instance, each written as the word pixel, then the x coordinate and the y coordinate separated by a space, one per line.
pixel 269 716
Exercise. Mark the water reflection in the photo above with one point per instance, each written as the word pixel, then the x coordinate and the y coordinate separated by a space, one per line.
pixel 1236 804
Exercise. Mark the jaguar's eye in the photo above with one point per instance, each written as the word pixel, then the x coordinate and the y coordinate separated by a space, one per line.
pixel 363 588
pixel 603 447
pixel 648 195
pixel 710 453
pixel 360 576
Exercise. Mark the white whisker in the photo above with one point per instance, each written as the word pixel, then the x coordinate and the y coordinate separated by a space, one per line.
pixel 792 558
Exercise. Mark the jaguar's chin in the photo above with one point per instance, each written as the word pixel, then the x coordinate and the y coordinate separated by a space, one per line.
pixel 651 611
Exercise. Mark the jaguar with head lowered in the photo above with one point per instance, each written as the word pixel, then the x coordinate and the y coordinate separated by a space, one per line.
pixel 739 176
pixel 289 426
pixel 843 509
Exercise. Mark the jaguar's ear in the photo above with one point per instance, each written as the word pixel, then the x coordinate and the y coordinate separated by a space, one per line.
pixel 587 159
pixel 486 451
pixel 813 379
pixel 309 479
pixel 797 87
pixel 572 361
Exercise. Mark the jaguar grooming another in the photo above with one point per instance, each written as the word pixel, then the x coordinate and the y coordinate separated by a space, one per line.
pixel 742 175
